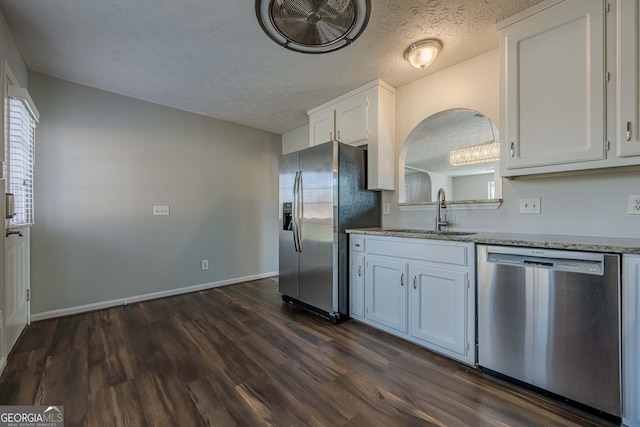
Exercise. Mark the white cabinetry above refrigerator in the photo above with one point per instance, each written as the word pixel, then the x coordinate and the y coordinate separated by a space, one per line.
pixel 364 116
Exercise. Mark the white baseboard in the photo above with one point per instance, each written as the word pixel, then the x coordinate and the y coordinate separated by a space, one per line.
pixel 145 297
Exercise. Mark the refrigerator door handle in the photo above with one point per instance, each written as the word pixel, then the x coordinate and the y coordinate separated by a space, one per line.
pixel 294 215
pixel 300 212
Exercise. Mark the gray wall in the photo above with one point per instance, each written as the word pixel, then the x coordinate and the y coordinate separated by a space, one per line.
pixel 580 205
pixel 472 187
pixel 10 53
pixel 295 140
pixel 103 161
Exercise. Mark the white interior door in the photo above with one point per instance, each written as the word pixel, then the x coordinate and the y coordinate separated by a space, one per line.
pixel 16 266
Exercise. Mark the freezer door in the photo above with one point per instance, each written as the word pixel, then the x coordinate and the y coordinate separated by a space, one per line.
pixel 358 207
pixel 288 281
pixel 319 176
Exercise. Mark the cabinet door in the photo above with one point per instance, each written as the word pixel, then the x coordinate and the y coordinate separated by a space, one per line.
pixel 386 292
pixel 628 109
pixel 356 285
pixel 352 119
pixel 631 340
pixel 438 312
pixel 322 126
pixel 554 100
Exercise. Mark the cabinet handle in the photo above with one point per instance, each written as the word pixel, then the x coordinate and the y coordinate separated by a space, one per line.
pixel 360 271
pixel 513 151
pixel 357 245
pixel 414 282
pixel 338 135
pixel 628 131
pixel 330 136
pixel 402 280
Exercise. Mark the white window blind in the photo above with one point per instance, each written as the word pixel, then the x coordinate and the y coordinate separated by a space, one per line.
pixel 20 158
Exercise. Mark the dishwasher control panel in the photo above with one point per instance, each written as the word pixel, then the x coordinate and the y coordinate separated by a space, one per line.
pixel 574 262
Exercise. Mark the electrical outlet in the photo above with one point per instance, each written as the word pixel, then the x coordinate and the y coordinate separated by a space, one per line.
pixel 634 205
pixel 161 211
pixel 204 264
pixel 530 205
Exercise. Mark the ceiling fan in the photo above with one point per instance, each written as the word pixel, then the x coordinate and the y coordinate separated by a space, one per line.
pixel 313 26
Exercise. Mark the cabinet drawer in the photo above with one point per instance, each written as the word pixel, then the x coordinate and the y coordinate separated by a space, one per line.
pixel 357 243
pixel 433 252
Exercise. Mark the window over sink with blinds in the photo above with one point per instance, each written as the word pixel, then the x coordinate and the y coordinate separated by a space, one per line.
pixel 20 155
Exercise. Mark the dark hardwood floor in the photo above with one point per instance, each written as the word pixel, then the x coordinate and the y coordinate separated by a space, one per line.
pixel 238 356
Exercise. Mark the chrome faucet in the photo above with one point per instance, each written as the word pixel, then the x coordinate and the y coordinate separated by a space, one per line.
pixel 440 203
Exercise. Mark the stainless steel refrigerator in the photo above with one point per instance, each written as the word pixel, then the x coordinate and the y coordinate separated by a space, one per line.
pixel 322 193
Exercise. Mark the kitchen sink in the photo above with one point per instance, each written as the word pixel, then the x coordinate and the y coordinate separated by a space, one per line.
pixel 433 232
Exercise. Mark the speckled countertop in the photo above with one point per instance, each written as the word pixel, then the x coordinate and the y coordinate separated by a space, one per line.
pixel 548 241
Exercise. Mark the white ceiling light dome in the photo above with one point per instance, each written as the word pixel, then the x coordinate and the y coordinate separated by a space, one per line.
pixel 421 54
pixel 313 26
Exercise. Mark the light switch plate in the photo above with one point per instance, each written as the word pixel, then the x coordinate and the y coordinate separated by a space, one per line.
pixel 161 211
pixel 530 205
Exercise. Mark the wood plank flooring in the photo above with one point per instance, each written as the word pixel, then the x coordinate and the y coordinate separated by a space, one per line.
pixel 238 356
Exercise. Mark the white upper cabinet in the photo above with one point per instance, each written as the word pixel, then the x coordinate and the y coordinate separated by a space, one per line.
pixel 628 106
pixel 570 75
pixel 322 127
pixel 352 119
pixel 346 121
pixel 362 117
pixel 553 87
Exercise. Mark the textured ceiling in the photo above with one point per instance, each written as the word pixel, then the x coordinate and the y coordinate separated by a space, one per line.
pixel 212 58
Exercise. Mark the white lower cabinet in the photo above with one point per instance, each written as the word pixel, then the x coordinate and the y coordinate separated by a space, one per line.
pixel 631 340
pixel 439 308
pixel 417 289
pixel 386 293
pixel 356 285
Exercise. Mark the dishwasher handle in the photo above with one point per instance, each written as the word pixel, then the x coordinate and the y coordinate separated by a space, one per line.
pixel 569 261
pixel 546 253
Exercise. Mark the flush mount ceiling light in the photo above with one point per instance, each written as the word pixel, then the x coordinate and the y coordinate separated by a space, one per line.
pixel 421 54
pixel 313 26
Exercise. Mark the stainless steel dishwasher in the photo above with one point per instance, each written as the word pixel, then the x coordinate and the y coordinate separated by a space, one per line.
pixel 551 319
